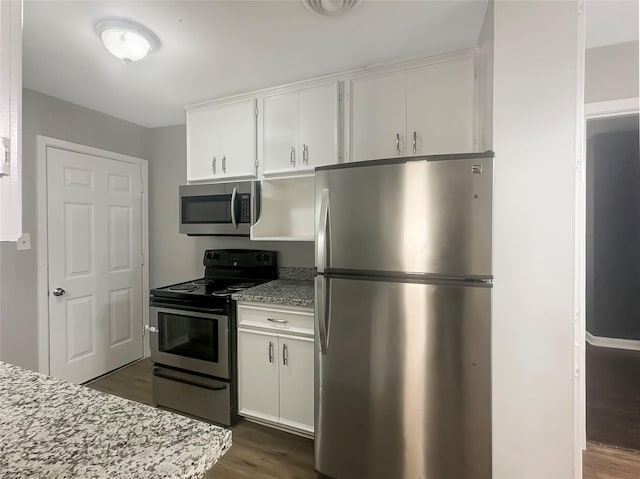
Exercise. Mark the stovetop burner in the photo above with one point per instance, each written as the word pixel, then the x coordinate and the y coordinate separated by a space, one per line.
pixel 203 282
pixel 184 288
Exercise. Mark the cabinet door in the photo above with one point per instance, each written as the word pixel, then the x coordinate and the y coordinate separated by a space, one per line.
pixel 296 382
pixel 280 132
pixel 203 145
pixel 238 140
pixel 378 117
pixel 258 375
pixel 318 138
pixel 440 108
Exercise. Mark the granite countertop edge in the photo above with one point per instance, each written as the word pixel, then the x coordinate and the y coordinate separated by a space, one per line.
pixel 281 292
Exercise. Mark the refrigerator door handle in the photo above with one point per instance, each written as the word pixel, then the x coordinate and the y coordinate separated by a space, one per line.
pixel 322 309
pixel 322 239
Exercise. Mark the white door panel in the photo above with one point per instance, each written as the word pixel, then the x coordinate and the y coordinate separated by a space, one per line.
pixel 258 375
pixel 378 117
pixel 296 382
pixel 95 245
pixel 280 117
pixel 203 145
pixel 238 130
pixel 440 108
pixel 318 125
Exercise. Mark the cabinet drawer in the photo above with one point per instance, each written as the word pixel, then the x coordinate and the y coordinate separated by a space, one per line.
pixel 293 321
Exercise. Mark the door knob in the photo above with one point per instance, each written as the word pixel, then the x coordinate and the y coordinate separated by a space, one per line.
pixel 58 292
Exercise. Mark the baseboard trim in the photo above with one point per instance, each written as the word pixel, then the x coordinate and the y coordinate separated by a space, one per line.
pixel 616 343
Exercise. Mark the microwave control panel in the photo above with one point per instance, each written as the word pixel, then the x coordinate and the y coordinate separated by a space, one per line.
pixel 244 208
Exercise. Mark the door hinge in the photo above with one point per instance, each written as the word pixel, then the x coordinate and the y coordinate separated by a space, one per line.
pixel 142 187
pixel 5 163
pixel 256 111
pixel 142 259
pixel 340 96
pixel 256 163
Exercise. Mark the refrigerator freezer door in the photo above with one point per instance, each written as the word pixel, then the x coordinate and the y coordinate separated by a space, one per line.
pixel 403 388
pixel 408 217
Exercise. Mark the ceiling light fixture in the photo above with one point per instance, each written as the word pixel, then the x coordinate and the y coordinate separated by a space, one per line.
pixel 330 8
pixel 127 40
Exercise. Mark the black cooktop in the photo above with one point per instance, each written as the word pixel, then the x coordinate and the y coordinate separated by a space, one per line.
pixel 226 272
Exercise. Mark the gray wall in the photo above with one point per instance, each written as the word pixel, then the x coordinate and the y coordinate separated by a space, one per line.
pixel 176 257
pixel 173 257
pixel 48 116
pixel 611 72
pixel 613 228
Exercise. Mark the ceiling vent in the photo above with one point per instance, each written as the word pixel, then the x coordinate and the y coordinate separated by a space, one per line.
pixel 330 8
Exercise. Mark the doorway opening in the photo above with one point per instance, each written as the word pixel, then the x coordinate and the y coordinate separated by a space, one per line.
pixel 612 275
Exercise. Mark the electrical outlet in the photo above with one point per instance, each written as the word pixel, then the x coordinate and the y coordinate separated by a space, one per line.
pixel 24 242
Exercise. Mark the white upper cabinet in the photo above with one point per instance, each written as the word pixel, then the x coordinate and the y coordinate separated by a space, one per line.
pixel 238 139
pixel 318 128
pixel 423 110
pixel 10 120
pixel 280 131
pixel 300 129
pixel 221 142
pixel 440 106
pixel 378 117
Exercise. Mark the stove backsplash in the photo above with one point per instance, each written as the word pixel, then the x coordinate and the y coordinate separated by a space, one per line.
pixel 302 274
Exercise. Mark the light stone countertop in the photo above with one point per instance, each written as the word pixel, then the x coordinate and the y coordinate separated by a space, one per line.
pixel 281 291
pixel 54 429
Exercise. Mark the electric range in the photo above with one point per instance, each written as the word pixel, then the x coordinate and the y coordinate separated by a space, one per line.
pixel 193 336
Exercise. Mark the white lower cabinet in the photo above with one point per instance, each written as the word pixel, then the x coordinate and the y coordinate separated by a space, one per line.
pixel 275 366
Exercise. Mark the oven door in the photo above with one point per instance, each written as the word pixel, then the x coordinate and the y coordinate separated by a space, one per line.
pixel 216 210
pixel 190 340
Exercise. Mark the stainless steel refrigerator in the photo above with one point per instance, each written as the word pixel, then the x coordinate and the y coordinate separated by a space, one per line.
pixel 403 318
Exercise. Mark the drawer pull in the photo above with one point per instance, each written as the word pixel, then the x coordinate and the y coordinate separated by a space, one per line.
pixel 279 321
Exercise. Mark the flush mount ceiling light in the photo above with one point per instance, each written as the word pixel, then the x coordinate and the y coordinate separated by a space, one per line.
pixel 330 8
pixel 127 40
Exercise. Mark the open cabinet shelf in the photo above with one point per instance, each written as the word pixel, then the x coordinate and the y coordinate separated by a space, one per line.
pixel 286 210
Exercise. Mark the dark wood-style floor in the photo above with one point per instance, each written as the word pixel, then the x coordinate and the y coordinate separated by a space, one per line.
pixel 263 453
pixel 613 397
pixel 257 452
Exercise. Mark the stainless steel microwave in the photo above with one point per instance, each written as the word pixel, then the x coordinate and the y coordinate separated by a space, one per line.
pixel 223 209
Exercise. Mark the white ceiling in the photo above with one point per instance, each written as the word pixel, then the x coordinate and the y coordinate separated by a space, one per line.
pixel 218 48
pixel 611 21
pixel 212 49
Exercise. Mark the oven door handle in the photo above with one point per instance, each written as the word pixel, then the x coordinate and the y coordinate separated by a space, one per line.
pixel 160 374
pixel 233 207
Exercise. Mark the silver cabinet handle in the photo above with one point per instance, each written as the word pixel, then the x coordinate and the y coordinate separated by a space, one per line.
pixel 213 165
pixel 398 144
pixel 270 351
pixel 292 156
pixel 224 164
pixel 233 206
pixel 280 321
pixel 151 329
pixel 305 154
pixel 59 292
pixel 285 354
pixel 414 142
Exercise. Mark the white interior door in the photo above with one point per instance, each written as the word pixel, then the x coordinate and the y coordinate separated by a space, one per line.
pixel 94 208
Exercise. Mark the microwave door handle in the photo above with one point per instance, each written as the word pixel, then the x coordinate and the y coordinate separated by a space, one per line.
pixel 233 207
